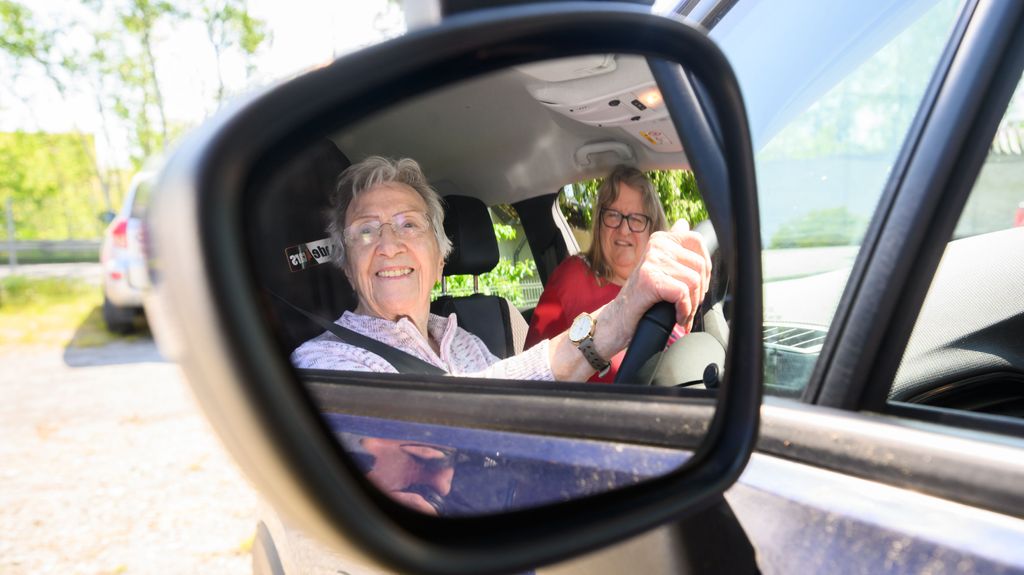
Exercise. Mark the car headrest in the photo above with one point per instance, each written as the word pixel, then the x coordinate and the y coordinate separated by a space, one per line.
pixel 286 232
pixel 467 223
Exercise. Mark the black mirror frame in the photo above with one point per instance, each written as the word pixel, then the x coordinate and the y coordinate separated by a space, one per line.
pixel 249 391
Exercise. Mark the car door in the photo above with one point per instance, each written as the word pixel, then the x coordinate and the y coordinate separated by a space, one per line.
pixel 897 452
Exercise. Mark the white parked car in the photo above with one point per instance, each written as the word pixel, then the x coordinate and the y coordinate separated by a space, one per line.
pixel 123 258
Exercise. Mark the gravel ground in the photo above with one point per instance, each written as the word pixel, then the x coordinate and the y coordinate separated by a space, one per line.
pixel 109 468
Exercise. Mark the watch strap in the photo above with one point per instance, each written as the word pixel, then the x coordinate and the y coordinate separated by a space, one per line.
pixel 590 352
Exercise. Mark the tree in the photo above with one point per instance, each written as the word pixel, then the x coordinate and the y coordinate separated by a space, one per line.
pixel 228 24
pixel 49 203
pixel 119 71
pixel 25 43
pixel 140 19
pixel 828 227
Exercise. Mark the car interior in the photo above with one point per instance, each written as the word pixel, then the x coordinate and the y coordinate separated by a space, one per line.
pixel 514 137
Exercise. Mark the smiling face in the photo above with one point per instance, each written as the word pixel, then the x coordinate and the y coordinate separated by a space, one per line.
pixel 623 248
pixel 392 276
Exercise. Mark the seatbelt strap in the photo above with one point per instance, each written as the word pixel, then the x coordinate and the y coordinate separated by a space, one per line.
pixel 400 360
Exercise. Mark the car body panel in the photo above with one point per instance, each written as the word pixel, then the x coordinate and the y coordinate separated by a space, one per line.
pixel 805 519
pixel 125 271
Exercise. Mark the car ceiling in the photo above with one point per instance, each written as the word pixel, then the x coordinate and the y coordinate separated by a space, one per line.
pixel 491 139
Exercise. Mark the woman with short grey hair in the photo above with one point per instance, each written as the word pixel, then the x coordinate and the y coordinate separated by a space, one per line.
pixel 393 271
pixel 374 171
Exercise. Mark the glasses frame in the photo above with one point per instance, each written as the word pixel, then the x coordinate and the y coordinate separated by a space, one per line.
pixel 626 218
pixel 354 241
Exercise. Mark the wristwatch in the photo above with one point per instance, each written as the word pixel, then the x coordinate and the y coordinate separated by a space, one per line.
pixel 581 333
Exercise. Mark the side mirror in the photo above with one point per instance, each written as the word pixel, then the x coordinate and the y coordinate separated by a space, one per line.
pixel 217 317
pixel 106 216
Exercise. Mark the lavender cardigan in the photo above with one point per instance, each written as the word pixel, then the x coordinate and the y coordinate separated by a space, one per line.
pixel 462 353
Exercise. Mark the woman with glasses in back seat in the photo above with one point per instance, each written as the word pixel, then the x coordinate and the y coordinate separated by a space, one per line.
pixel 387 234
pixel 626 214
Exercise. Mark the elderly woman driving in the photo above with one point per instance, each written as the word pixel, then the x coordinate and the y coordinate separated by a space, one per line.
pixel 388 235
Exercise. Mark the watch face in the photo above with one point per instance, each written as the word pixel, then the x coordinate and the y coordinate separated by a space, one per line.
pixel 580 328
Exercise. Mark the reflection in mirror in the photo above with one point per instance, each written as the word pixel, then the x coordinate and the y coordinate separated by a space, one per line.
pixel 451 472
pixel 499 229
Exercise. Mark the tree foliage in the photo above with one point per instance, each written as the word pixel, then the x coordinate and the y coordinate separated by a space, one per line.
pixel 50 180
pixel 229 24
pixel 829 227
pixel 105 52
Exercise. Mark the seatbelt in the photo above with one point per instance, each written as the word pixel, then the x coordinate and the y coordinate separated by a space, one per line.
pixel 400 360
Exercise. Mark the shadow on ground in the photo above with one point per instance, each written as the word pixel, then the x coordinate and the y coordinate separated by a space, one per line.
pixel 93 345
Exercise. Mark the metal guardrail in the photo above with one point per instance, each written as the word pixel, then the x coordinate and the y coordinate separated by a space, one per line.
pixel 52 245
pixel 43 250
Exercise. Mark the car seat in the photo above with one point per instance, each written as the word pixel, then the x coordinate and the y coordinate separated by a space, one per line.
pixel 491 318
pixel 286 231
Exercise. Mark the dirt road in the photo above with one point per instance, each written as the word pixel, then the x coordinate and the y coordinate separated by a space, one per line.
pixel 109 468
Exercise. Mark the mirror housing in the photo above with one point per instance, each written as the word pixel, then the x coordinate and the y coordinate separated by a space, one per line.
pixel 212 323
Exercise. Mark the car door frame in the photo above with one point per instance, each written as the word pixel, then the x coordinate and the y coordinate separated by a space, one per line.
pixel 949 454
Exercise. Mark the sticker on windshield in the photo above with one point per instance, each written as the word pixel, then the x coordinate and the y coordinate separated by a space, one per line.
pixel 304 256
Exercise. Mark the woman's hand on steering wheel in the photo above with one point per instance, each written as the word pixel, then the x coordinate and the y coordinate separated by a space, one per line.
pixel 676 267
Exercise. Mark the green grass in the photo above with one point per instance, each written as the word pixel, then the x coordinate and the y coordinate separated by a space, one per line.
pixel 51 311
pixel 52 256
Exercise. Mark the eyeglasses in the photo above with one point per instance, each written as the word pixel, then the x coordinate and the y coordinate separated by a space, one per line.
pixel 406 226
pixel 613 219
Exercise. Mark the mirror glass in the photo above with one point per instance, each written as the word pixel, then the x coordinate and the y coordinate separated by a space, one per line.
pixel 551 178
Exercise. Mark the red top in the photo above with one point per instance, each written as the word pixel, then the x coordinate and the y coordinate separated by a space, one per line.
pixel 571 290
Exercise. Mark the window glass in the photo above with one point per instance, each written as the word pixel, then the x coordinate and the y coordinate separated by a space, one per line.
pixel 141 201
pixel 829 114
pixel 514 278
pixel 967 347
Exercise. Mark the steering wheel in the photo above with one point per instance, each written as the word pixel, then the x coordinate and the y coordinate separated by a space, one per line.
pixel 690 359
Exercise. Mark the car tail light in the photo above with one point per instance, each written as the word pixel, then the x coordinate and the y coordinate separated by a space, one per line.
pixel 1018 218
pixel 119 233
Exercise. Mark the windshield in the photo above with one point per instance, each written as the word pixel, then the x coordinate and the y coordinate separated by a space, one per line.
pixel 831 90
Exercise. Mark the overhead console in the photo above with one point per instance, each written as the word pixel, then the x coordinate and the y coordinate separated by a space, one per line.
pixel 606 91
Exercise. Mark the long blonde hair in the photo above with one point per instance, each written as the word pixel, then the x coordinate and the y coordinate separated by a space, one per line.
pixel 607 193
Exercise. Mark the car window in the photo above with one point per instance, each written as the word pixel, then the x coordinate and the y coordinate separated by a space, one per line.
pixel 967 347
pixel 141 200
pixel 827 127
pixel 515 277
